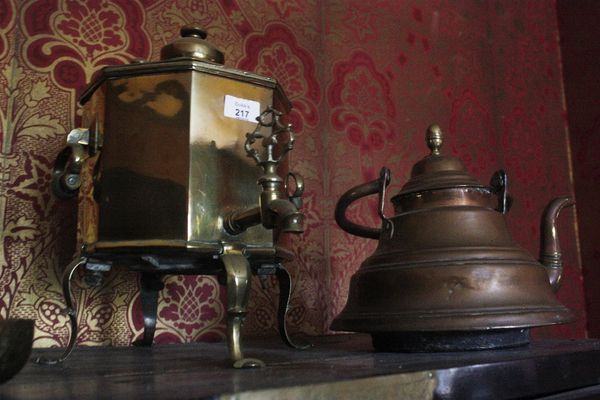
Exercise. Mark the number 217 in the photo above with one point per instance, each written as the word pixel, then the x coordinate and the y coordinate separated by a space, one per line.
pixel 241 113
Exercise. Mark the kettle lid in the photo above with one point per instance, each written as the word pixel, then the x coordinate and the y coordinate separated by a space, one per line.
pixel 438 171
pixel 191 44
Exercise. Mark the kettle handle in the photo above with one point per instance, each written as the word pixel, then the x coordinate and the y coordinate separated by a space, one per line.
pixel 499 185
pixel 377 186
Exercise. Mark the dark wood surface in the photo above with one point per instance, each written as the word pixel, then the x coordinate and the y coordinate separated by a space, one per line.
pixel 202 370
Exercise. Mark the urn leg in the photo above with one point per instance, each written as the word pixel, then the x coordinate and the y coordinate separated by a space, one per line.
pixel 285 290
pixel 150 285
pixel 238 273
pixel 71 312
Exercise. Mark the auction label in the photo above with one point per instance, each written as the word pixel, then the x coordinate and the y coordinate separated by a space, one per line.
pixel 247 110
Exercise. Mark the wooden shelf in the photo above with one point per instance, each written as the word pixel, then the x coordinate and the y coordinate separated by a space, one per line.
pixel 342 366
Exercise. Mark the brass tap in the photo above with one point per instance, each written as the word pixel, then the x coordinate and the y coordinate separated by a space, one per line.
pixel 277 208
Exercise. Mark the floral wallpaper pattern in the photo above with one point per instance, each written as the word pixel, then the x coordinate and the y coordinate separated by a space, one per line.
pixel 365 79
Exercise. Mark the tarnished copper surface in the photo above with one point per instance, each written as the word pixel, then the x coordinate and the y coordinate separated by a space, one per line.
pixel 446 261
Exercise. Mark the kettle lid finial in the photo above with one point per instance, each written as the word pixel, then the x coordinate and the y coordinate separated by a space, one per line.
pixel 437 171
pixel 434 139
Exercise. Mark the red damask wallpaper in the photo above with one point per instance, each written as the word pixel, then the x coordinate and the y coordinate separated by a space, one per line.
pixel 365 79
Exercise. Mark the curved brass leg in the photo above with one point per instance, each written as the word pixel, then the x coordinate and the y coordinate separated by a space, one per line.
pixel 71 311
pixel 239 274
pixel 285 290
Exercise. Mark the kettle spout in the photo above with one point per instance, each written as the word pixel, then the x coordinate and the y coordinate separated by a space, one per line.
pixel 550 255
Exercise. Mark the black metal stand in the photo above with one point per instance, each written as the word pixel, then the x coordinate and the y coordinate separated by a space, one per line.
pixel 150 285
pixel 285 291
pixel 233 265
pixel 71 311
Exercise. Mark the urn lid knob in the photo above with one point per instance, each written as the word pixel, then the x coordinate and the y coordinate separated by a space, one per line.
pixel 191 44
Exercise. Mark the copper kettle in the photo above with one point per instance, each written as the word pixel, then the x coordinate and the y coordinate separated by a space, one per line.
pixel 446 274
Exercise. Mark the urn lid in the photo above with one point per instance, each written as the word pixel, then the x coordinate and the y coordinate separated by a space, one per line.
pixel 438 171
pixel 191 44
pixel 190 53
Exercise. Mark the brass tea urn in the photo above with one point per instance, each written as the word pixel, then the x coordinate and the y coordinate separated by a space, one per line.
pixel 180 169
pixel 446 274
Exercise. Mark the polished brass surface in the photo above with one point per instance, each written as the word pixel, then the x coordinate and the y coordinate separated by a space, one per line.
pixel 446 260
pixel 168 180
pixel 199 179
pixel 239 278
pixel 202 176
pixel 180 65
pixel 222 177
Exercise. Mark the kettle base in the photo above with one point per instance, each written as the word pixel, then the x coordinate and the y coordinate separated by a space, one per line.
pixel 439 341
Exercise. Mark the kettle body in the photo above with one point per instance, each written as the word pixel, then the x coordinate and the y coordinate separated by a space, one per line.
pixel 446 274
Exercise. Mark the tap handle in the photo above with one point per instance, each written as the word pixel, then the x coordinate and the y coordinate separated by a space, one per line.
pixel 296 196
pixel 270 118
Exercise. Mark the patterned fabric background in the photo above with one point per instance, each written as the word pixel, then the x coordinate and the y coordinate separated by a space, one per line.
pixel 365 79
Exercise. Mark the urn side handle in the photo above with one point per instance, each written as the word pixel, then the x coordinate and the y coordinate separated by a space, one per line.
pixel 377 186
pixel 66 179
